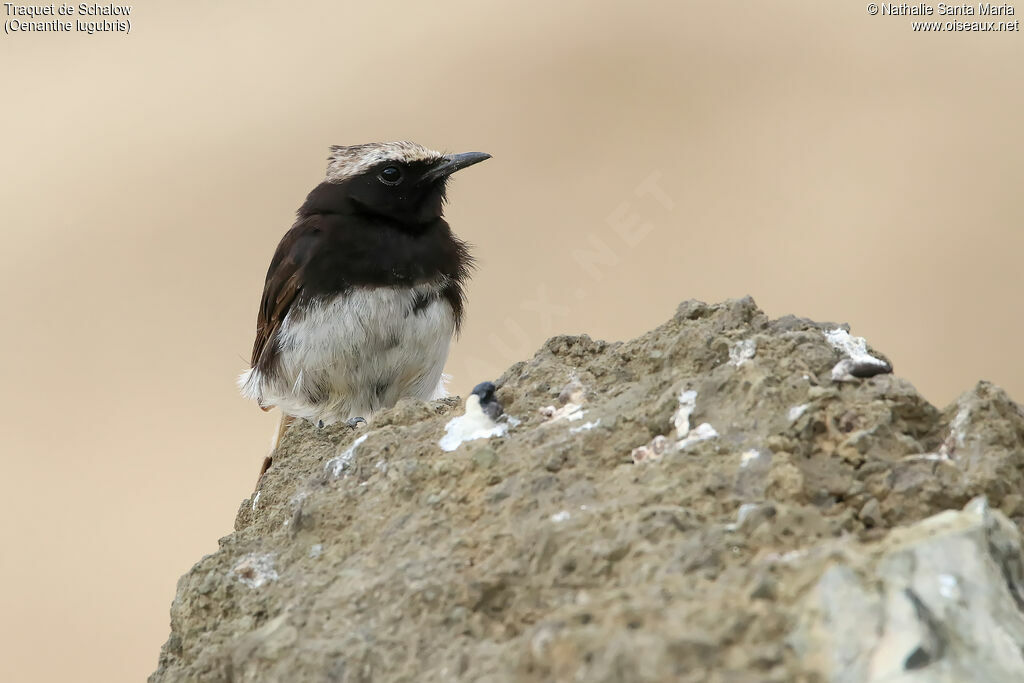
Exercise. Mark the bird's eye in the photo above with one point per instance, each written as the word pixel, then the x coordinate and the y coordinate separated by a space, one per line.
pixel 391 175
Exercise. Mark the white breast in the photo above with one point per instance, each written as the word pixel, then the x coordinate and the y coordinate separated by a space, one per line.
pixel 357 353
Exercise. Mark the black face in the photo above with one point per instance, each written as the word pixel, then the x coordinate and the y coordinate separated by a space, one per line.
pixel 408 195
pixel 400 191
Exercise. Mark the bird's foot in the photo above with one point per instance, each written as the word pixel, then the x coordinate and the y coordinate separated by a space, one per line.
pixel 354 422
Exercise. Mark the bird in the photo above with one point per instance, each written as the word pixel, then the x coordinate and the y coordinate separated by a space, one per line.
pixel 365 292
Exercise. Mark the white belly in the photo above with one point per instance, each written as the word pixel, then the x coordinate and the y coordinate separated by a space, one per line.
pixel 356 354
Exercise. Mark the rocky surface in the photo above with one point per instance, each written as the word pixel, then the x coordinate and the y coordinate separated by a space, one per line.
pixel 726 498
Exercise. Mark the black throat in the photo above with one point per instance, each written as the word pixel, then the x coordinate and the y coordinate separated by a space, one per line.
pixel 342 244
pixel 359 246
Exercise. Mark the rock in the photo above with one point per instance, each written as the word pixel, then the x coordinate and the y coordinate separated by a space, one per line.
pixel 870 514
pixel 608 535
pixel 938 601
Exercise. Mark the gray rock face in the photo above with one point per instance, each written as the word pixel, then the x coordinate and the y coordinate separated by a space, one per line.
pixel 938 601
pixel 712 501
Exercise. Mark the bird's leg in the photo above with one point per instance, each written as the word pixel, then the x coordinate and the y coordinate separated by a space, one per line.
pixel 282 426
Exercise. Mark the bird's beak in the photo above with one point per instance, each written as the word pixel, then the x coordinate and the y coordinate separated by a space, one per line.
pixel 450 163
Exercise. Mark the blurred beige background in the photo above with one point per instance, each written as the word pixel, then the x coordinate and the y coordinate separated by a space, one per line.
pixel 832 164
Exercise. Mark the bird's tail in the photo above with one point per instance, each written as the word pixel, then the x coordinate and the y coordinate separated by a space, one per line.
pixel 441 391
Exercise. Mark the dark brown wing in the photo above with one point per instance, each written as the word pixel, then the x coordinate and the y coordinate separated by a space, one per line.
pixel 283 287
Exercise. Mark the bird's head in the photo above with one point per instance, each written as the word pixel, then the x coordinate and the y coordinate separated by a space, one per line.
pixel 401 181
